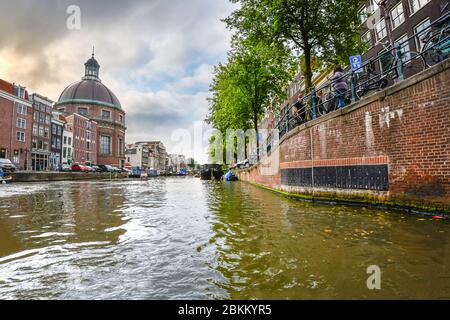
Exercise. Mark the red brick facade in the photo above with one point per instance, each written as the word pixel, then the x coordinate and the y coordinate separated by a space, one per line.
pixel 114 128
pixel 406 127
pixel 16 117
pixel 85 132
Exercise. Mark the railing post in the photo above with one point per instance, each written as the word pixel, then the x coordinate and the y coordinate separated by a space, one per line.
pixel 286 115
pixel 313 102
pixel 353 87
pixel 400 66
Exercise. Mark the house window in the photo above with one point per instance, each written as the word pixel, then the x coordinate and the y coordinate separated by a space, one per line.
pixel 120 118
pixel 20 92
pixel 421 31
pixel 20 136
pixel 363 14
pixel 386 60
pixel 404 47
pixel 34 144
pixel 367 38
pixel 21 123
pixel 380 30
pixel 83 111
pixel 106 114
pixel 47 120
pixel 416 5
pixel 21 109
pixel 16 158
pixel 41 118
pixel 46 132
pixel 120 147
pixel 64 152
pixel 35 130
pixel 397 15
pixel 36 116
pixel 105 145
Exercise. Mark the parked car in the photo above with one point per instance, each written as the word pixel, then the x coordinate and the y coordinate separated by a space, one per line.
pixel 7 166
pixel 106 168
pixel 125 170
pixel 65 168
pixel 97 168
pixel 89 169
pixel 79 168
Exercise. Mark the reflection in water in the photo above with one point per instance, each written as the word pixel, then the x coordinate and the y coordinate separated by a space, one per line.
pixel 181 238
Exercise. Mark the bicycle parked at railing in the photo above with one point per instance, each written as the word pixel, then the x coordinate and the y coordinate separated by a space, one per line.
pixel 369 80
pixel 396 62
pixel 436 42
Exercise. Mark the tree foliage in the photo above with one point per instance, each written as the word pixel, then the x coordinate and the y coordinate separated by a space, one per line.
pixel 254 76
pixel 326 29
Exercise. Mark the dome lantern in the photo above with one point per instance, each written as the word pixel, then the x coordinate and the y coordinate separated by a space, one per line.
pixel 92 68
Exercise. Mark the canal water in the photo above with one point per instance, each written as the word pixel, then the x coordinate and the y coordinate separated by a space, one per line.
pixel 182 238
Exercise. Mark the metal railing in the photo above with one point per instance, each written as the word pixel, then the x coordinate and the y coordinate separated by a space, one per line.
pixel 394 63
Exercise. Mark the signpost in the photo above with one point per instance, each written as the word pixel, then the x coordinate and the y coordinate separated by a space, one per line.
pixel 356 63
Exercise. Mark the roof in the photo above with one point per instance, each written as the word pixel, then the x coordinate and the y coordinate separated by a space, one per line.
pixel 89 91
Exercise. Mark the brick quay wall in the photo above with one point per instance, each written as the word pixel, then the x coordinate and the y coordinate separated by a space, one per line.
pixel 391 148
pixel 63 176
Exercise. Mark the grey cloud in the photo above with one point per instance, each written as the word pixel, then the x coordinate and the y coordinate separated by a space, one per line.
pixel 138 43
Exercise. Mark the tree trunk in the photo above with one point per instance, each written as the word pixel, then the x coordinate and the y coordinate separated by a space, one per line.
pixel 255 123
pixel 308 78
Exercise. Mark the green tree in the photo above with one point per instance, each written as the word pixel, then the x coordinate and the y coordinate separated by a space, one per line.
pixel 326 29
pixel 253 77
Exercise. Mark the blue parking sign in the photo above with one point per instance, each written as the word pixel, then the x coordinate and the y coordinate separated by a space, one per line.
pixel 356 63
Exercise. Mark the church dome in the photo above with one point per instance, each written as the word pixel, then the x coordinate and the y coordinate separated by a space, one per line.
pixel 90 90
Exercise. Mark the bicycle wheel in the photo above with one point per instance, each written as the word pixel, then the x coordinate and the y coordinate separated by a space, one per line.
pixel 415 64
pixel 362 85
pixel 431 53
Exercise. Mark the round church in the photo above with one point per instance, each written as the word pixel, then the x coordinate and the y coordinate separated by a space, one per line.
pixel 90 98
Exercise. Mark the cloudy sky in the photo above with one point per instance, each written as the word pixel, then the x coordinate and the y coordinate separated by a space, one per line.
pixel 156 55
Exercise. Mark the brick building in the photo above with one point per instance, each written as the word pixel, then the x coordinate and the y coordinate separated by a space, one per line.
pixel 84 142
pixel 395 21
pixel 158 156
pixel 57 126
pixel 15 124
pixel 67 146
pixel 92 99
pixel 40 143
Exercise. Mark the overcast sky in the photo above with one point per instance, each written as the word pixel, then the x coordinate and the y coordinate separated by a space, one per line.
pixel 157 56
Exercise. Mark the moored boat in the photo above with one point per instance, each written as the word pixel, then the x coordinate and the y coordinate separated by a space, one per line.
pixel 211 171
pixel 6 180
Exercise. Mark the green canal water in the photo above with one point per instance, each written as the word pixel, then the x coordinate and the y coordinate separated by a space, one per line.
pixel 182 238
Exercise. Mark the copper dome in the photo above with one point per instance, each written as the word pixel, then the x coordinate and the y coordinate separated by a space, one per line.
pixel 89 91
